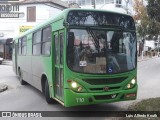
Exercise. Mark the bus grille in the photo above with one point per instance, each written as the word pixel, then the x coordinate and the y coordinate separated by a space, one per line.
pixel 104 97
pixel 105 81
pixel 102 89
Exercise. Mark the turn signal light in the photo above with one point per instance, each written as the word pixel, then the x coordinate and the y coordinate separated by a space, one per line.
pixel 129 86
pixel 79 89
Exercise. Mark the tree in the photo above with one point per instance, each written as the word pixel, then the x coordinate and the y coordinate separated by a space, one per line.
pixel 141 18
pixel 153 8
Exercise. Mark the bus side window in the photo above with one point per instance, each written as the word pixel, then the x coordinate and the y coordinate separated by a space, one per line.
pixel 36 46
pixel 46 41
pixel 19 46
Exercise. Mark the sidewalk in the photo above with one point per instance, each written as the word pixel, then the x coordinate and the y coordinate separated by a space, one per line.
pixel 3 87
pixel 7 62
pixel 140 58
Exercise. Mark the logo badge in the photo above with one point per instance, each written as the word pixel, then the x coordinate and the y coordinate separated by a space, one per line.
pixel 106 88
pixel 113 96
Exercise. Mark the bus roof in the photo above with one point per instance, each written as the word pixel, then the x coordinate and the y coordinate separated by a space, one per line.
pixel 62 15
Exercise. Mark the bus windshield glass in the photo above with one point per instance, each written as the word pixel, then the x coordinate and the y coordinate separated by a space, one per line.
pixel 101 51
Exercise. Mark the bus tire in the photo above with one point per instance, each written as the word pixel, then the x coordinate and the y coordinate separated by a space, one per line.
pixel 47 93
pixel 22 82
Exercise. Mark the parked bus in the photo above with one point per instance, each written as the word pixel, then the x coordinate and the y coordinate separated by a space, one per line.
pixel 80 57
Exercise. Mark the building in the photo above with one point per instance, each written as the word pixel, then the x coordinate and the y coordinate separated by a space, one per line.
pixel 31 13
pixel 122 6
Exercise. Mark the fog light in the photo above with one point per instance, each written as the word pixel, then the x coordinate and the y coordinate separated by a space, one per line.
pixel 133 81
pixel 130 95
pixel 74 84
pixel 129 86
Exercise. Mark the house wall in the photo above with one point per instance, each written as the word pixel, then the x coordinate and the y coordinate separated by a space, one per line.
pixel 106 5
pixel 10 27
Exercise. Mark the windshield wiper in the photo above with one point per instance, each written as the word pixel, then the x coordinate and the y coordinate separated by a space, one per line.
pixel 96 41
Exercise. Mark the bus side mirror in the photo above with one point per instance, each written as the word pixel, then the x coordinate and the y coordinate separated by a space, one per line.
pixel 71 39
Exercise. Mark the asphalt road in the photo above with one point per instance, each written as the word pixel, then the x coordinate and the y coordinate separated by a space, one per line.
pixel 27 98
pixel 149 78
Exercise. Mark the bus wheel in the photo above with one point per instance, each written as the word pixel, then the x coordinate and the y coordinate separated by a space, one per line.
pixel 21 78
pixel 47 94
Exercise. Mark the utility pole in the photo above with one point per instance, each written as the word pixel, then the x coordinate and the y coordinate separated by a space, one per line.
pixel 127 1
pixel 94 4
pixel 158 46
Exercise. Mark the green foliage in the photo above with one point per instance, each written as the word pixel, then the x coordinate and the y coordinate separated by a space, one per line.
pixel 154 28
pixel 153 8
pixel 149 18
pixel 143 27
pixel 151 104
pixel 142 17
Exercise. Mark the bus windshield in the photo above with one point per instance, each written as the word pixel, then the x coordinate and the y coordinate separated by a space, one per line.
pixel 101 51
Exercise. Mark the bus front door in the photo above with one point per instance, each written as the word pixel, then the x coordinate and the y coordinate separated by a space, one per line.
pixel 58 58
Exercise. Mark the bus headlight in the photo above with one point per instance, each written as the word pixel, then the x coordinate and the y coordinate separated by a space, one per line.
pixel 133 81
pixel 76 86
pixel 131 84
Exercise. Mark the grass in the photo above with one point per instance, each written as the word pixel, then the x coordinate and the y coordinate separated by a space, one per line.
pixel 152 104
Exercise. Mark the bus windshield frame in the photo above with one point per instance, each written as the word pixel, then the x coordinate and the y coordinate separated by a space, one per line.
pixel 92 30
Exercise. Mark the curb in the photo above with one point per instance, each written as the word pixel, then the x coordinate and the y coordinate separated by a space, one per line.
pixel 3 87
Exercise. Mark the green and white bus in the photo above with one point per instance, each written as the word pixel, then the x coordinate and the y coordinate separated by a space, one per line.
pixel 80 57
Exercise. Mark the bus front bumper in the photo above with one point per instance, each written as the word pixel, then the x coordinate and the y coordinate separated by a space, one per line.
pixel 75 99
